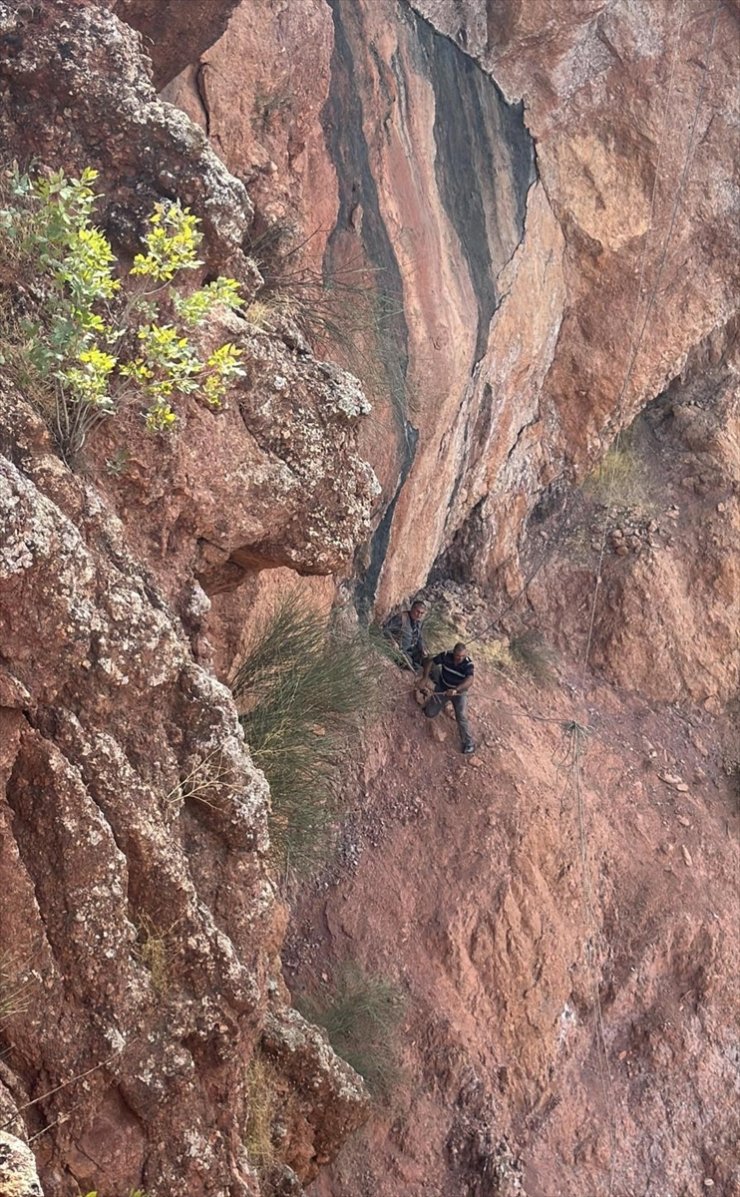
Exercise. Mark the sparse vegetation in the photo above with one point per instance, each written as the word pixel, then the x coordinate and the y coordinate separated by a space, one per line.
pixel 302 689
pixel 531 655
pixel 133 1193
pixel 15 986
pixel 261 1093
pixel 619 480
pixel 361 1016
pixel 267 105
pixel 440 634
pixel 345 313
pixel 496 653
pixel 79 342
pixel 153 948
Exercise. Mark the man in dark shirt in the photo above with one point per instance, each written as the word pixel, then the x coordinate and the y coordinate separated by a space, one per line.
pixel 405 632
pixel 452 674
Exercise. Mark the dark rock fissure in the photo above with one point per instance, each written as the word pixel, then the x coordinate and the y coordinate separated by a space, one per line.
pixel 345 140
pixel 479 137
pixel 480 140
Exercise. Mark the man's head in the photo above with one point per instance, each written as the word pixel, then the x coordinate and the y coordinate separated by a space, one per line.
pixel 418 609
pixel 459 652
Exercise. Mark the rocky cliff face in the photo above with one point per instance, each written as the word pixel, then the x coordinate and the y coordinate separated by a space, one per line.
pixel 557 241
pixel 552 251
pixel 139 971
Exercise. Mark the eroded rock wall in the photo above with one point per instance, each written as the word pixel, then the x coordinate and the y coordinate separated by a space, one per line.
pixel 140 925
pixel 558 240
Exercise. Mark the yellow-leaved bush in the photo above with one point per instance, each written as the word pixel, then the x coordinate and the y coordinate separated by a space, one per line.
pixel 99 339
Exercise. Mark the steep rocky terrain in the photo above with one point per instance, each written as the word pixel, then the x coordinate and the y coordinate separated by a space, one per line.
pixel 519 183
pixel 561 913
pixel 525 221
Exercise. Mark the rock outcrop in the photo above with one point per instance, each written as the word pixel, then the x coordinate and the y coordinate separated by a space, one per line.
pixel 529 250
pixel 18 1176
pixel 141 928
pixel 519 183
pixel 174 34
pixel 560 915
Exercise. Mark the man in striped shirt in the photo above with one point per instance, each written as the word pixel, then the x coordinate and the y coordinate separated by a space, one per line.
pixel 452 674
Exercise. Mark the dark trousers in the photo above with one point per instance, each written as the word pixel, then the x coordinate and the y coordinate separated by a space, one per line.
pixel 436 703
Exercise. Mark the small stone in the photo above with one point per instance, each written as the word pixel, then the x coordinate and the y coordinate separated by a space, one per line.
pixel 708 1182
pixel 684 821
pixel 621 550
pixel 653 526
pixel 670 779
pixel 720 507
pixel 617 534
pixel 687 856
pixel 682 787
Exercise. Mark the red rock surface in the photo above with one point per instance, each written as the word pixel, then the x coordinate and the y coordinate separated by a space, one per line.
pixel 140 923
pixel 566 941
pixel 631 222
pixel 517 180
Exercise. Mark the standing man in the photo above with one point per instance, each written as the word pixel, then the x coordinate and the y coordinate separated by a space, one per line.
pixel 404 630
pixel 452 674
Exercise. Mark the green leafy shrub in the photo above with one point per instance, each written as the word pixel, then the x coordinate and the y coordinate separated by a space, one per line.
pixel 361 1016
pixel 302 690
pixel 88 340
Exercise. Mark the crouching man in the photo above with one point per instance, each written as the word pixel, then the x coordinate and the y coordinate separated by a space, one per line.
pixel 405 633
pixel 452 674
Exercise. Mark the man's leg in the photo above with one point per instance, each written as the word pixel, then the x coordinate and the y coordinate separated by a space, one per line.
pixel 460 703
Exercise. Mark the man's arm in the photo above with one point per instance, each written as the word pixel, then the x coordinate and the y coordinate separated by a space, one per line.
pixel 465 684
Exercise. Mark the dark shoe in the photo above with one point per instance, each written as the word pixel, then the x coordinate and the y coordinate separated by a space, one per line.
pixel 468 749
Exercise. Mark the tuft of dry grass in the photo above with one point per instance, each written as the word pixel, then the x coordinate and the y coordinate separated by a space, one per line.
pixel 531 655
pixel 619 480
pixel 154 949
pixel 261 1096
pixel 16 987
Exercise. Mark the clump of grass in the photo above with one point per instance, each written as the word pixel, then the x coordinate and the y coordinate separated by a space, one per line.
pixel 153 949
pixel 531 655
pixel 619 480
pixel 261 1096
pixel 361 1016
pixel 15 986
pixel 496 653
pixel 302 690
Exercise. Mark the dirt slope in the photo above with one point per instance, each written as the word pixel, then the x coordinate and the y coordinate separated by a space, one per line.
pixel 502 905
